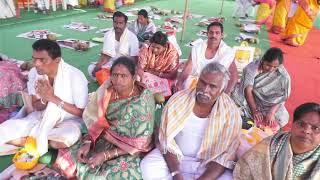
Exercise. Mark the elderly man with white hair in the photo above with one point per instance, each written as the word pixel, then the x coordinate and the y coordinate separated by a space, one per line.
pixel 199 132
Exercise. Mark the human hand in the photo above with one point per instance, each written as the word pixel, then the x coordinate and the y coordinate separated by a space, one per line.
pixel 177 177
pixel 96 160
pixel 270 119
pixel 257 117
pixel 44 90
pixel 178 86
pixel 83 152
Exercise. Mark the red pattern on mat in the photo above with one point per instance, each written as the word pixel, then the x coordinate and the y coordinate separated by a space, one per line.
pixel 303 65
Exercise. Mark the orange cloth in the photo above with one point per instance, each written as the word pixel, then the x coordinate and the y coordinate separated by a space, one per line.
pixel 264 10
pixel 128 2
pixel 102 75
pixel 281 15
pixel 166 62
pixel 300 24
pixel 109 6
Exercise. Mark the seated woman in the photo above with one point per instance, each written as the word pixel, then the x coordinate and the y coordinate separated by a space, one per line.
pixel 12 81
pixel 160 58
pixel 263 89
pixel 143 27
pixel 286 155
pixel 120 120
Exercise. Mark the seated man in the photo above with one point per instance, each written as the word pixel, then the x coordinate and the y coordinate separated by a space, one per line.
pixel 199 132
pixel 59 93
pixel 263 90
pixel 212 50
pixel 143 27
pixel 160 58
pixel 117 42
pixel 286 155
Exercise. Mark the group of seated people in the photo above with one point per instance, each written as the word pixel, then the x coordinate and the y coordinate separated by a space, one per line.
pixel 199 132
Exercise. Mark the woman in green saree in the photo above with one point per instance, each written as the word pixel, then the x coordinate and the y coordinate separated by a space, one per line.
pixel 120 120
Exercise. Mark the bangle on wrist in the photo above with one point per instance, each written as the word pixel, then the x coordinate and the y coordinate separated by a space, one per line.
pixel 116 153
pixel 174 173
pixel 42 102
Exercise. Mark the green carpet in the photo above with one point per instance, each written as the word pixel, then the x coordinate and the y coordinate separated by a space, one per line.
pixel 20 48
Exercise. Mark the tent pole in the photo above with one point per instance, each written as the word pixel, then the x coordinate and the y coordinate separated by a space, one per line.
pixel 184 19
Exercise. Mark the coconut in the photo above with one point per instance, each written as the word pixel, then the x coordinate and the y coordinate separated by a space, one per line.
pixel 52 37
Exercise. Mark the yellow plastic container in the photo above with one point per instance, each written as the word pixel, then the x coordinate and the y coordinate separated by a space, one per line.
pixel 31 149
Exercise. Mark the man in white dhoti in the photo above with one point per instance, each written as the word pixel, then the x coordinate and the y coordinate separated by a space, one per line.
pixel 44 5
pixel 117 42
pixel 242 8
pixel 143 27
pixel 7 9
pixel 199 132
pixel 58 94
pixel 212 50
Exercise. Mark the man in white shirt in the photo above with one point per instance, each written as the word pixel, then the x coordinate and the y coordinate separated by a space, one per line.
pixel 199 132
pixel 117 42
pixel 212 50
pixel 58 95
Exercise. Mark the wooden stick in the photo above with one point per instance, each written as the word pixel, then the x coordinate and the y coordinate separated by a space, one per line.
pixel 185 14
pixel 221 7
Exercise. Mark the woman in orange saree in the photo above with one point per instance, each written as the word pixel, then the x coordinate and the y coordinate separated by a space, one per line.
pixel 284 10
pixel 265 10
pixel 300 24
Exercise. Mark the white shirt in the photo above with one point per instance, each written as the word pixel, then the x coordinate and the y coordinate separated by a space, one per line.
pixel 224 56
pixel 189 139
pixel 132 40
pixel 76 94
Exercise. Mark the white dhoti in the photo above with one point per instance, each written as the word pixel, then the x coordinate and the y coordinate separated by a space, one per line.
pixel 67 132
pixel 154 167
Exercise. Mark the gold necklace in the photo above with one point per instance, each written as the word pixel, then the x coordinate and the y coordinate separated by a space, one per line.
pixel 130 94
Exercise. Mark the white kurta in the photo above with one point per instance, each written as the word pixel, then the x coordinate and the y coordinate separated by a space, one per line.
pixel 59 125
pixel 154 167
pixel 224 56
pixel 127 46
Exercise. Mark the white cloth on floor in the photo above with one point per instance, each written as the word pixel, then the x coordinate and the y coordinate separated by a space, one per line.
pixel 154 167
pixel 70 85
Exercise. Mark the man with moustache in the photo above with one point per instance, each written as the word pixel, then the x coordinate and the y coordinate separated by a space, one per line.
pixel 199 132
pixel 58 95
pixel 212 50
pixel 117 42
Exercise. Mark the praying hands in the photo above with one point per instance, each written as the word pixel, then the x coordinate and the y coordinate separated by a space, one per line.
pixel 44 90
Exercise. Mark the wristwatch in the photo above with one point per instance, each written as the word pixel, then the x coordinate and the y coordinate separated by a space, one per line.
pixel 175 173
pixel 61 104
